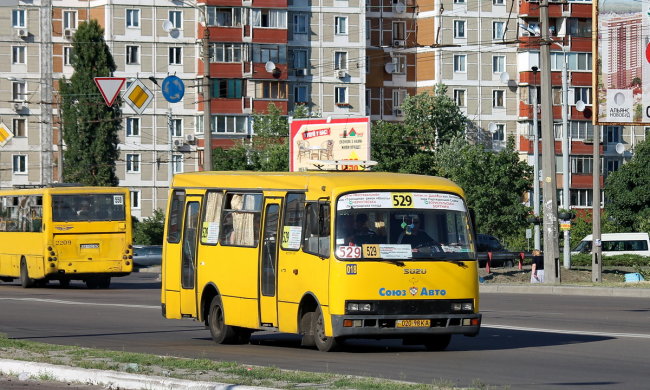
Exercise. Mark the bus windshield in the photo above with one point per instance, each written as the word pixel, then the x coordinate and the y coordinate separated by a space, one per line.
pixel 88 207
pixel 402 225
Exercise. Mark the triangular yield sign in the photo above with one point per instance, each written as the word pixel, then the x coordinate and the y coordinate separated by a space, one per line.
pixel 110 87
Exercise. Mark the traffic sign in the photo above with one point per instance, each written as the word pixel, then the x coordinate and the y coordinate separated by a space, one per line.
pixel 5 134
pixel 109 87
pixel 173 89
pixel 138 96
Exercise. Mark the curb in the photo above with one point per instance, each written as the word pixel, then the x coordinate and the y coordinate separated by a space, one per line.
pixel 567 290
pixel 110 379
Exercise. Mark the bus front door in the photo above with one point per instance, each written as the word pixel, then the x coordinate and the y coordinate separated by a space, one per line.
pixel 188 256
pixel 268 264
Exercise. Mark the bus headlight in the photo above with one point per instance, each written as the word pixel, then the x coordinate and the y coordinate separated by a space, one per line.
pixel 462 307
pixel 358 307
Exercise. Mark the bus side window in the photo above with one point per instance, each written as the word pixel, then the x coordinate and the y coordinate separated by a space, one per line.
pixel 317 231
pixel 175 217
pixel 293 221
pixel 211 218
pixel 241 220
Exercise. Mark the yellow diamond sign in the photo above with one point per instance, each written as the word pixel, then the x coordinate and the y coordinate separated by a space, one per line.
pixel 5 134
pixel 138 96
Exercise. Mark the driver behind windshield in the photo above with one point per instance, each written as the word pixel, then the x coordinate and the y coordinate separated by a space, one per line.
pixel 416 237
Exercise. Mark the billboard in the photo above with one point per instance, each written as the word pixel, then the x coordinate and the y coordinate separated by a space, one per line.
pixel 315 143
pixel 622 62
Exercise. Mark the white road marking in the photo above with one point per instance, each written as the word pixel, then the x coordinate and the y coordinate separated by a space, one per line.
pixel 79 303
pixel 563 331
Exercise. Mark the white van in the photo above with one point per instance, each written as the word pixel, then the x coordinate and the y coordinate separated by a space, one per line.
pixel 618 244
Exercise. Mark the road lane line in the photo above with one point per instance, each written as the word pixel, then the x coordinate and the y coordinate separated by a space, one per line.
pixel 79 303
pixel 563 331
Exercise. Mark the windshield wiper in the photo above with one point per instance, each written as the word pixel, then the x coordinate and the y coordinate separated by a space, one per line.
pixel 399 263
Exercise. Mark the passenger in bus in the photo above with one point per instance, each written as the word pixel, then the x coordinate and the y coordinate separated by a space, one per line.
pixel 417 238
pixel 362 233
pixel 84 209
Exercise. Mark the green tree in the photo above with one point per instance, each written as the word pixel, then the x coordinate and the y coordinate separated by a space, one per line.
pixel 493 183
pixel 150 230
pixel 90 127
pixel 433 119
pixel 627 192
pixel 395 149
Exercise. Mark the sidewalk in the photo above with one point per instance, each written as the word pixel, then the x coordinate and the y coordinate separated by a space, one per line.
pixel 630 292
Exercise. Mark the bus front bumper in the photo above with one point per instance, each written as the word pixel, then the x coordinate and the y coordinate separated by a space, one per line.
pixel 382 326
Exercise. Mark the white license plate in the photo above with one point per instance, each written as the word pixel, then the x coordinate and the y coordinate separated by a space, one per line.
pixel 89 246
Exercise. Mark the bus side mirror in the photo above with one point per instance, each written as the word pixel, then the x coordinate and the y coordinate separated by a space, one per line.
pixel 472 219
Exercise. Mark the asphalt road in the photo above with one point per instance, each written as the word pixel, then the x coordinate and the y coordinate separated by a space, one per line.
pixel 527 341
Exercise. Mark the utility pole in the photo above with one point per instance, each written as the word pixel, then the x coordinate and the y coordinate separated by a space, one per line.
pixel 537 241
pixel 549 189
pixel 207 128
pixel 46 93
pixel 596 249
pixel 566 199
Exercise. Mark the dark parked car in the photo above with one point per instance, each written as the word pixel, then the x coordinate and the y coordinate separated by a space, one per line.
pixel 501 257
pixel 147 255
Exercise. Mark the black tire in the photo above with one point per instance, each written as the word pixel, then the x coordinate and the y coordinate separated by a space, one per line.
pixel 437 342
pixel 221 333
pixel 307 330
pixel 64 282
pixel 104 281
pixel 509 264
pixel 91 283
pixel 25 280
pixel 323 343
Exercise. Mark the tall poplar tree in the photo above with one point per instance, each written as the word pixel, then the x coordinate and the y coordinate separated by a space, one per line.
pixel 89 126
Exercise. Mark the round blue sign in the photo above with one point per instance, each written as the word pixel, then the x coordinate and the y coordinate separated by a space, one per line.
pixel 173 89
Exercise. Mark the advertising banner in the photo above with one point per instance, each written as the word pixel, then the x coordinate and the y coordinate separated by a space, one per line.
pixel 323 144
pixel 622 62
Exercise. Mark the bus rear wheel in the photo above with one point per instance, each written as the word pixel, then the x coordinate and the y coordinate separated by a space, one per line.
pixel 104 281
pixel 25 280
pixel 437 342
pixel 221 333
pixel 323 343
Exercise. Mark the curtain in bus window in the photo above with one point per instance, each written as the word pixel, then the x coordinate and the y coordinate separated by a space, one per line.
pixel 210 227
pixel 243 223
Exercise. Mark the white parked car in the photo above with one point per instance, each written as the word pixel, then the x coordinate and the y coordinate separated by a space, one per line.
pixel 617 244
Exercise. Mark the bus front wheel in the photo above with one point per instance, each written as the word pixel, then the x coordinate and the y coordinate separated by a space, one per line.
pixel 221 333
pixel 25 280
pixel 323 343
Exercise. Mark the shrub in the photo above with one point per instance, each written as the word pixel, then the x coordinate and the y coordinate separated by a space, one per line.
pixel 584 260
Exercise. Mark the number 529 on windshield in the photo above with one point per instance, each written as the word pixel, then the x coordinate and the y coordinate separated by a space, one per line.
pixel 402 199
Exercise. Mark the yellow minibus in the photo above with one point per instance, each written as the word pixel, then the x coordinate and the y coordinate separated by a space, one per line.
pixel 327 255
pixel 65 233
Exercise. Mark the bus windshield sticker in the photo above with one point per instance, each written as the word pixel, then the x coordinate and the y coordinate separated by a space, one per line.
pixel 390 200
pixel 349 252
pixel 210 232
pixel 118 200
pixel 396 251
pixel 291 237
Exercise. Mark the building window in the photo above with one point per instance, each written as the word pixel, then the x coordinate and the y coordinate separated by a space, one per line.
pixel 132 127
pixel 399 30
pixel 459 1
pixel 226 52
pixel 341 25
pixel 132 55
pixel 499 134
pixel 459 29
pixel 582 94
pixel 581 130
pixel 20 127
pixel 579 27
pixel 498 64
pixel 613 165
pixel 398 98
pixel 69 20
pixel 67 55
pixel 175 56
pixel 300 23
pixel 135 199
pixel 176 127
pixel 299 59
pixel 198 125
pixel 271 90
pixel 498 98
pixel 368 33
pixel 18 18
pixel 399 64
pixel 613 134
pixel 460 63
pixel 498 2
pixel 265 53
pixel 270 18
pixel 132 163
pixel 300 94
pixel 18 91
pixel 19 164
pixel 177 163
pixel 575 61
pixel 340 60
pixel 227 88
pixel 498 29
pixel 459 97
pixel 581 198
pixel 176 17
pixel 581 164
pixel 224 17
pixel 133 18
pixel 18 55
pixel 341 96
pixel 229 124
